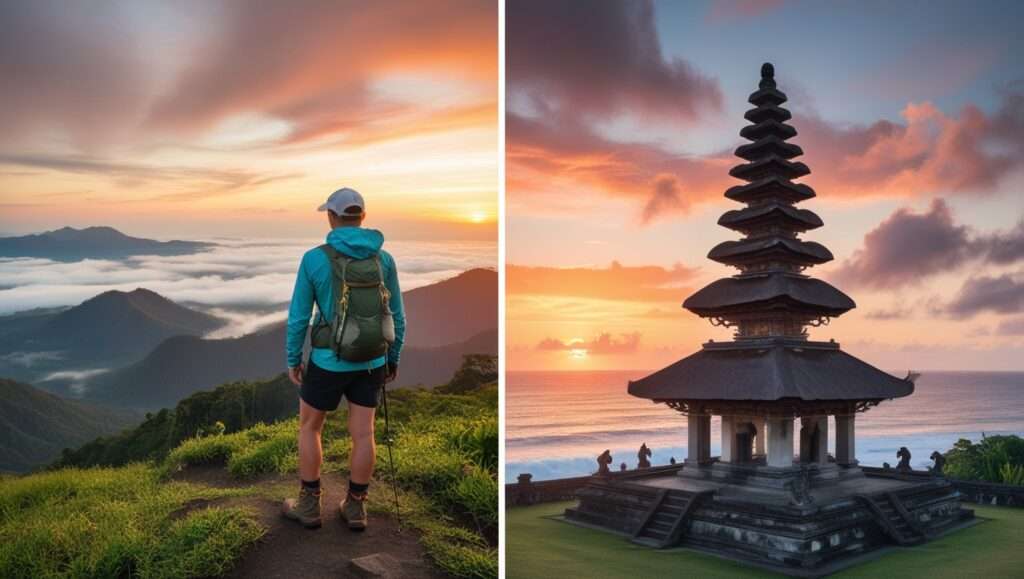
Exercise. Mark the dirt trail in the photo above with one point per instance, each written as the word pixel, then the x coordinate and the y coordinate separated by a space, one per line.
pixel 288 550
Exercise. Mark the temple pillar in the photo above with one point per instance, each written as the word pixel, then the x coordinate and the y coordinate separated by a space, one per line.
pixel 845 446
pixel 780 442
pixel 698 439
pixel 728 438
pixel 814 439
pixel 759 424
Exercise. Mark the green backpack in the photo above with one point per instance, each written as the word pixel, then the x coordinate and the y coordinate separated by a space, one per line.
pixel 362 327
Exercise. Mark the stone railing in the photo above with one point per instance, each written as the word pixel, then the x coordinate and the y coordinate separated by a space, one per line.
pixel 982 493
pixel 527 492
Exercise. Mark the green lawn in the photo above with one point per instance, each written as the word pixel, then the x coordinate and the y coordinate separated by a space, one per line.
pixel 541 547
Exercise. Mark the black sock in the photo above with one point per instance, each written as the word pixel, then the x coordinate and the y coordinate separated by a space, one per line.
pixel 357 489
pixel 313 485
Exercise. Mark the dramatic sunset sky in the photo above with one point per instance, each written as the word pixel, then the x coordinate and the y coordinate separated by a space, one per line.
pixel 621 123
pixel 179 119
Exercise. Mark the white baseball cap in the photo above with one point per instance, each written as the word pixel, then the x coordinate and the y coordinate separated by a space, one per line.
pixel 343 199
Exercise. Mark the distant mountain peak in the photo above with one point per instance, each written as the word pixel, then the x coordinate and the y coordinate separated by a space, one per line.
pixel 138 292
pixel 98 242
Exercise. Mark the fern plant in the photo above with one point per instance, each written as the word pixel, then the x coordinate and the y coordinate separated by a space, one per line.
pixel 1012 474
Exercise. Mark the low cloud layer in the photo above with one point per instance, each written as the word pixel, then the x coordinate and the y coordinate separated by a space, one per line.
pixel 616 282
pixel 604 344
pixel 232 275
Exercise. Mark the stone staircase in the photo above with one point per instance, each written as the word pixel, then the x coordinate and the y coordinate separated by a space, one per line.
pixel 894 519
pixel 665 522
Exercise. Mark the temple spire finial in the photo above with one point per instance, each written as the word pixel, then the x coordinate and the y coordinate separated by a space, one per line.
pixel 767 75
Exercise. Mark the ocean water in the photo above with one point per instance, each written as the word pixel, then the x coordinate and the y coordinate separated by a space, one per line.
pixel 558 422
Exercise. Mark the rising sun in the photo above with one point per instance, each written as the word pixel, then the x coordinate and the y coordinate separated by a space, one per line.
pixel 477 217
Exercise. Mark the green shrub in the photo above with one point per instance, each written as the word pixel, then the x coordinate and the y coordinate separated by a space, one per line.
pixel 477 492
pixel 477 441
pixel 203 544
pixel 275 454
pixel 114 522
pixel 997 459
pixel 207 450
pixel 1012 474
pixel 459 552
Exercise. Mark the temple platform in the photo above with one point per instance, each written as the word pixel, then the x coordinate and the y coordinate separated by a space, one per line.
pixel 839 519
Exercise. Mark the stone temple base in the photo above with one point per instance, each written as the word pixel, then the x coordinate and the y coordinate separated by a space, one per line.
pixel 768 477
pixel 748 516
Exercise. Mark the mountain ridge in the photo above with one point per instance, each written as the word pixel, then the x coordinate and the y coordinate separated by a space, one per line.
pixel 433 320
pixel 36 426
pixel 181 365
pixel 109 329
pixel 95 242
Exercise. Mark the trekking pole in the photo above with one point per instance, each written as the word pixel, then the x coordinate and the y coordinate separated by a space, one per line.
pixel 391 459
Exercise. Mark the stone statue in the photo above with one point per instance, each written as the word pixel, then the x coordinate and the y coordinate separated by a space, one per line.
pixel 800 488
pixel 622 467
pixel 904 455
pixel 940 463
pixel 603 460
pixel 642 457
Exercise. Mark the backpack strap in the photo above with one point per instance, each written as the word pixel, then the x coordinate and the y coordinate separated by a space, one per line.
pixel 385 294
pixel 339 264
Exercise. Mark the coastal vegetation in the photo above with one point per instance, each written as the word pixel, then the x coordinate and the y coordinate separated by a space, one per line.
pixel 997 459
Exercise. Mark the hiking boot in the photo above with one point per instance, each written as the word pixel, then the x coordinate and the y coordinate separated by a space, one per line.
pixel 305 509
pixel 353 512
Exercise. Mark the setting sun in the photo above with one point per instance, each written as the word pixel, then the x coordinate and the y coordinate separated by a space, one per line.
pixel 478 217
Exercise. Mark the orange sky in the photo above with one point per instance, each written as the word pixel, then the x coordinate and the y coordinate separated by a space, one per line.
pixel 621 128
pixel 176 120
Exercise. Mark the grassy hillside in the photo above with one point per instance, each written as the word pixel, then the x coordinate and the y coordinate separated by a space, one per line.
pixel 137 520
pixel 236 405
pixel 116 523
pixel 36 425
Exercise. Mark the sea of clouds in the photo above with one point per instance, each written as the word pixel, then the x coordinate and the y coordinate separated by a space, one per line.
pixel 246 282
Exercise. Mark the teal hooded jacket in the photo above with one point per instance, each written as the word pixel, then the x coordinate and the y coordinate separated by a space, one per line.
pixel 313 285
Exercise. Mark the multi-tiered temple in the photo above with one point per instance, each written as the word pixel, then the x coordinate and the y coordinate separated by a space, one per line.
pixel 771 374
pixel 774 390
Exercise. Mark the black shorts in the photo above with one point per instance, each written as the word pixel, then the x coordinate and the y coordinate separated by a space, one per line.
pixel 323 389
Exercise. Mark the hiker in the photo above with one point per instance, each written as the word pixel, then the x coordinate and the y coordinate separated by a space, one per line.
pixel 356 341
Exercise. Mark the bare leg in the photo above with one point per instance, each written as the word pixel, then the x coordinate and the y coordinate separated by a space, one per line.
pixel 364 450
pixel 311 423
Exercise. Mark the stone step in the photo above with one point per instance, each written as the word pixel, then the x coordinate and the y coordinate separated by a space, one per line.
pixel 660 526
pixel 664 517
